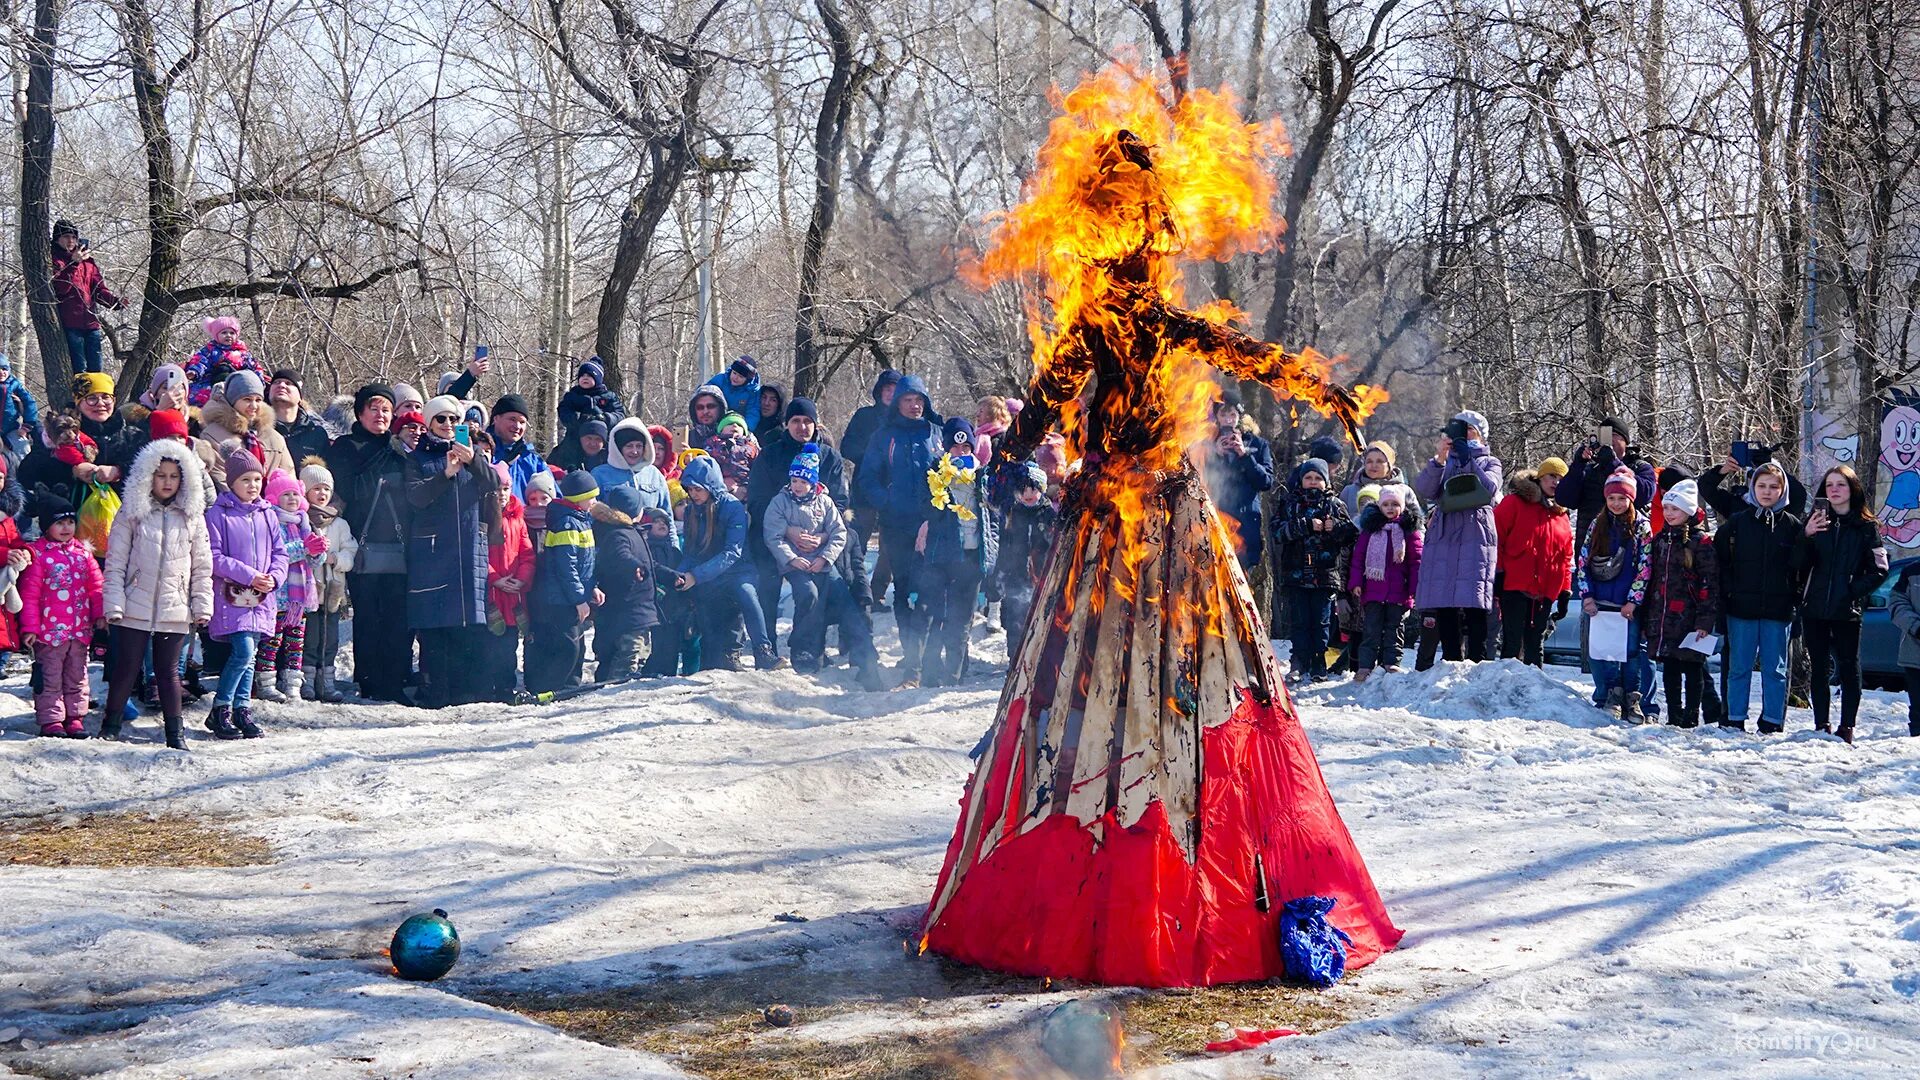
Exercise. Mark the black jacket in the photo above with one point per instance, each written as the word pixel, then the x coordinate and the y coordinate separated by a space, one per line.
pixel 1726 493
pixel 1758 567
pixel 1026 542
pixel 1308 558
pixel 768 475
pixel 305 437
pixel 370 481
pixel 1843 566
pixel 623 571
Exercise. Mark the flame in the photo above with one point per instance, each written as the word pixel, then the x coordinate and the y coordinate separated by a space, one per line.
pixel 1128 192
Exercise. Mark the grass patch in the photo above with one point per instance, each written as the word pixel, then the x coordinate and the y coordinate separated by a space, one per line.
pixel 713 1027
pixel 128 839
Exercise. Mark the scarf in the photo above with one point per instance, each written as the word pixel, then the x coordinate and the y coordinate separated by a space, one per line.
pixel 1395 548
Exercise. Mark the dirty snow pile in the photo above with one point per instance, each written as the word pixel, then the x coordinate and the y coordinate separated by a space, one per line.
pixel 1580 898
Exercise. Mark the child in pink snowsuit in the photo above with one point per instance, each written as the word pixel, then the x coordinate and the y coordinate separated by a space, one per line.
pixel 282 651
pixel 62 598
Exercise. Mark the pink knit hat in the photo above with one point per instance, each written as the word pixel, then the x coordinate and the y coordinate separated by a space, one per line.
pixel 218 323
pixel 1622 479
pixel 279 483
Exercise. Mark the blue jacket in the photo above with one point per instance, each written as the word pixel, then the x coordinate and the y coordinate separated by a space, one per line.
pixel 744 400
pixel 563 565
pixel 20 407
pixel 714 536
pixel 893 474
pixel 522 462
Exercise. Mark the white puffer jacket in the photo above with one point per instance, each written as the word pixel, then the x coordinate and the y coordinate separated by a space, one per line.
pixel 159 564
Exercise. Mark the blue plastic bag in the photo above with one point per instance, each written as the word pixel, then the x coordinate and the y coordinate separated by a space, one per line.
pixel 1313 949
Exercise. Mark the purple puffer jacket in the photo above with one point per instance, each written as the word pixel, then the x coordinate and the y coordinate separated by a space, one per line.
pixel 246 543
pixel 1402 579
pixel 1456 569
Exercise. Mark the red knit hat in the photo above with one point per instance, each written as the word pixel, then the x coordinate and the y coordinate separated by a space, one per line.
pixel 166 424
pixel 1623 479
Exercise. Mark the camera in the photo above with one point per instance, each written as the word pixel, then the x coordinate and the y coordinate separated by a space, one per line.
pixel 1457 430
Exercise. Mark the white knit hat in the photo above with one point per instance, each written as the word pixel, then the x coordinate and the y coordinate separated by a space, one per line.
pixel 1684 497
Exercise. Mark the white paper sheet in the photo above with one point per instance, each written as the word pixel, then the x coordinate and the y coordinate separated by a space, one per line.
pixel 1607 637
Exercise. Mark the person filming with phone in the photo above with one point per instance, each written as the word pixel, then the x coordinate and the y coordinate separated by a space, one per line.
pixel 1725 487
pixel 1591 463
pixel 78 290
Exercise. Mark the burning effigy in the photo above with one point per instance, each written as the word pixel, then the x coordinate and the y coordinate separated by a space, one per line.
pixel 1147 802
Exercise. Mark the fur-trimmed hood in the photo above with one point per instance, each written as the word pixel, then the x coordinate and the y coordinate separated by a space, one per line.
pixel 607 515
pixel 137 502
pixel 216 413
pixel 1372 520
pixel 1526 484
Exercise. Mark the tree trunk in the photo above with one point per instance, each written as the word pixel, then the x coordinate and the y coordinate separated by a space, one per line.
pixel 672 157
pixel 167 218
pixel 829 146
pixel 36 191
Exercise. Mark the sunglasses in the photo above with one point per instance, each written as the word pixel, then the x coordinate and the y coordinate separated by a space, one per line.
pixel 447 419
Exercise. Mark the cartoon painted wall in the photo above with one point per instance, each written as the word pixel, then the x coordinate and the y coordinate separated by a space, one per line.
pixel 1899 486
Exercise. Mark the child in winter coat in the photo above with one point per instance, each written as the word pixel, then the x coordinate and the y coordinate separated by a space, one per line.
pixel 806 535
pixel 510 563
pixel 623 573
pixel 1613 567
pixel 716 572
pixel 734 448
pixel 1683 599
pixel 674 648
pixel 563 588
pixel 159 578
pixel 961 544
pixel 1382 576
pixel 249 565
pixel 1314 533
pixel 1026 544
pixel 222 355
pixel 740 386
pixel 330 572
pixel 589 399
pixel 62 597
pixel 281 654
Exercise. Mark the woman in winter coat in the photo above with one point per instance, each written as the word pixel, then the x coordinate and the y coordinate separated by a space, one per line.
pixel 1458 485
pixel 1383 576
pixel 237 412
pixel 159 578
pixel 1683 599
pixel 249 563
pixel 1612 576
pixel 630 463
pixel 1536 558
pixel 453 496
pixel 715 572
pixel 1377 468
pixel 1905 611
pixel 1844 561
pixel 1758 576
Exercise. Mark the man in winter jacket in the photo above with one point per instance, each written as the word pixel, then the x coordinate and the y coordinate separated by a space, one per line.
pixel 740 386
pixel 715 571
pixel 1584 489
pixel 78 289
pixel 623 571
pixel 370 478
pixel 305 435
pixel 853 447
pixel 510 445
pixel 1238 469
pixel 805 532
pixel 704 410
pixel 769 475
pixel 893 478
pixel 563 589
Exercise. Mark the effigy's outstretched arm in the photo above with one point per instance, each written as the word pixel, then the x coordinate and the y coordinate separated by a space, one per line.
pixel 1244 356
pixel 1061 379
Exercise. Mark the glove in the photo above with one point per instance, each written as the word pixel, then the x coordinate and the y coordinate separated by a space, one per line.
pixel 316 544
pixel 1560 609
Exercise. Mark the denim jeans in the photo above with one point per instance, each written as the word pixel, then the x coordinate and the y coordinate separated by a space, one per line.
pixel 236 678
pixel 1766 639
pixel 83 349
pixel 714 603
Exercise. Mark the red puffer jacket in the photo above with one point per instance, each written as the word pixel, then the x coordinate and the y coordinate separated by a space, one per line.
pixel 1536 539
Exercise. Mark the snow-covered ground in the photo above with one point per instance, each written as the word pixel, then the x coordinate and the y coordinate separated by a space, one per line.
pixel 1580 898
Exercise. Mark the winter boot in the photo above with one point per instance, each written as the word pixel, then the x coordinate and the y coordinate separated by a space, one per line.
pixel 292 680
pixel 1845 733
pixel 53 729
pixel 190 686
pixel 1616 699
pixel 310 684
pixel 110 727
pixel 76 728
pixel 1772 727
pixel 1361 675
pixel 870 679
pixel 220 722
pixel 326 690
pixel 1630 712
pixel 243 719
pixel 265 690
pixel 726 661
pixel 765 659
pixel 176 734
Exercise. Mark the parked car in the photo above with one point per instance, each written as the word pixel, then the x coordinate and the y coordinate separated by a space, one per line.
pixel 1880 639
